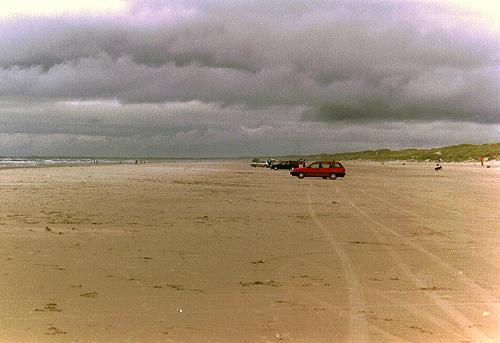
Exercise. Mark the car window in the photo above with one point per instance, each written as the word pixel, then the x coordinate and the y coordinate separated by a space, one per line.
pixel 337 165
pixel 314 165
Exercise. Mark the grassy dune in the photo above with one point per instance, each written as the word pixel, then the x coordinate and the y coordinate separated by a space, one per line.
pixel 453 153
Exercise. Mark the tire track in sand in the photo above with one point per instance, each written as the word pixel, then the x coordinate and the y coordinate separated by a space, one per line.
pixel 463 322
pixel 329 306
pixel 357 319
pixel 415 311
pixel 425 222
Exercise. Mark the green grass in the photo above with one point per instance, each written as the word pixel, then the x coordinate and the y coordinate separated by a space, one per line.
pixel 452 153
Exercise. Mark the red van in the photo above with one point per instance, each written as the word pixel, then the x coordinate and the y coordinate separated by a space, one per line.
pixel 324 169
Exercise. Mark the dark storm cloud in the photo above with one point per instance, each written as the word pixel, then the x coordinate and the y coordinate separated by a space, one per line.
pixel 257 74
pixel 113 119
pixel 344 60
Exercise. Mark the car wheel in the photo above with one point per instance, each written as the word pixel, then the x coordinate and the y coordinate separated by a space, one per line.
pixel 333 176
pixel 301 175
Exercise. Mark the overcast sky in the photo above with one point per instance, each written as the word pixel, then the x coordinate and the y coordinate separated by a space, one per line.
pixel 240 77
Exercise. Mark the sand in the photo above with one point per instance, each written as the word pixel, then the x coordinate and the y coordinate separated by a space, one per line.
pixel 223 252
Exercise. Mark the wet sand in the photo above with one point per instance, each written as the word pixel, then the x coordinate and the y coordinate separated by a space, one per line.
pixel 223 252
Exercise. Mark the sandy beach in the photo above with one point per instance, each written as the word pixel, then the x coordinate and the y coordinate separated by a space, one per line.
pixel 223 252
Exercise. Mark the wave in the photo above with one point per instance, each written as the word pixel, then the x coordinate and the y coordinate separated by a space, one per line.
pixel 40 162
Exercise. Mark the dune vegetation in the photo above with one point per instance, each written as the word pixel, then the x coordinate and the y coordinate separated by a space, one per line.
pixel 452 153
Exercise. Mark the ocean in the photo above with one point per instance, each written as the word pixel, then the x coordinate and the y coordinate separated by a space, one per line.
pixel 27 162
pixel 16 162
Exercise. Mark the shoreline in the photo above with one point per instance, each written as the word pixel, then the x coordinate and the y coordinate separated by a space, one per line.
pixel 487 164
pixel 110 163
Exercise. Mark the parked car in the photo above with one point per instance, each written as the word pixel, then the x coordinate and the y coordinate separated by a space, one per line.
pixel 285 165
pixel 270 162
pixel 324 169
pixel 259 164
